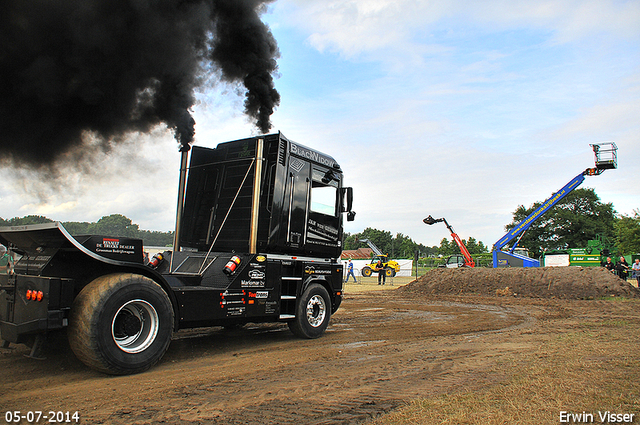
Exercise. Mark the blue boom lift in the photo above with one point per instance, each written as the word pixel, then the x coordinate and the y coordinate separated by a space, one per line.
pixel 605 159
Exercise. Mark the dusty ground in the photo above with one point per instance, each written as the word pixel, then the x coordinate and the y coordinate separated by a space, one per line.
pixel 385 347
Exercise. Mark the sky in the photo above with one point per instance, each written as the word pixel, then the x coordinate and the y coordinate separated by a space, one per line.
pixel 456 109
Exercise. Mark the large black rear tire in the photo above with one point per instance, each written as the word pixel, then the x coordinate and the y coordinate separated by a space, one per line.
pixel 121 324
pixel 313 313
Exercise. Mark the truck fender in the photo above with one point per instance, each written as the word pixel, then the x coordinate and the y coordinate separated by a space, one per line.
pixel 321 280
pixel 160 280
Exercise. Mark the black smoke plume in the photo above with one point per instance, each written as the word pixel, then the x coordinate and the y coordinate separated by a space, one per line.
pixel 72 69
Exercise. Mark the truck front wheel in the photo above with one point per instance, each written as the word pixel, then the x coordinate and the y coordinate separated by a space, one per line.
pixel 121 324
pixel 312 313
pixel 366 272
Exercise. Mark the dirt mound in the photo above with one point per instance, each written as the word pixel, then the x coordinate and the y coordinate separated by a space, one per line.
pixel 539 282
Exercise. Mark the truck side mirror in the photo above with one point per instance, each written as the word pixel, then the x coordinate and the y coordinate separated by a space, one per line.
pixel 347 192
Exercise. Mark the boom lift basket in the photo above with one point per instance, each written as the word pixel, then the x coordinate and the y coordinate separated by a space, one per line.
pixel 606 156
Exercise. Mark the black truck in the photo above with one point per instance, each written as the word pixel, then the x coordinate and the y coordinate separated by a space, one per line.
pixel 258 239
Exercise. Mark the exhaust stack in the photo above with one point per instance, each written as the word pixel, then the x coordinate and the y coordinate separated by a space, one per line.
pixel 181 191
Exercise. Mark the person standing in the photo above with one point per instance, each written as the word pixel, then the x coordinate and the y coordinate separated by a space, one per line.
pixel 636 271
pixel 609 265
pixel 350 272
pixel 622 269
pixel 381 273
pixel 6 262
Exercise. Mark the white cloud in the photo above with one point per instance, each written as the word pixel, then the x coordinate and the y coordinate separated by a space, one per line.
pixel 355 27
pixel 47 209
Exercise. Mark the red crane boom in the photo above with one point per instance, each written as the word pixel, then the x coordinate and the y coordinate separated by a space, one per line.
pixel 468 261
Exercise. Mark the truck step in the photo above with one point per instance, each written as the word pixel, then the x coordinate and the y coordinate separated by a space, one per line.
pixel 287 316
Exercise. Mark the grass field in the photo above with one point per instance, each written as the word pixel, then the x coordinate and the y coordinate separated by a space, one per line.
pixel 366 284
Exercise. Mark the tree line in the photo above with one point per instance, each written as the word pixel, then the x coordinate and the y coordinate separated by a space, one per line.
pixel 579 217
pixel 401 246
pixel 111 225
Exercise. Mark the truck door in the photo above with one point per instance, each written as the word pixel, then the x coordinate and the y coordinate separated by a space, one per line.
pixel 298 194
pixel 323 235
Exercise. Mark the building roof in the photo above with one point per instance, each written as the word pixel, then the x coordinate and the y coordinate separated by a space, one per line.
pixel 357 254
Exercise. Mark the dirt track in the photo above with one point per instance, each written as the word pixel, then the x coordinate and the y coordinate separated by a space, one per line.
pixel 381 350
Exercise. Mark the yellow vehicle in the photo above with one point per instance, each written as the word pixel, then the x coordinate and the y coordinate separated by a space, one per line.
pixel 391 267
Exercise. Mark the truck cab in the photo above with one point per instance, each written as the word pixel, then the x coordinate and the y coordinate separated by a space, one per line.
pixel 258 239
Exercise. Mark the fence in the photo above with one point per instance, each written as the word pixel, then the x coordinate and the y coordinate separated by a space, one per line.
pixel 429 263
pixel 407 267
